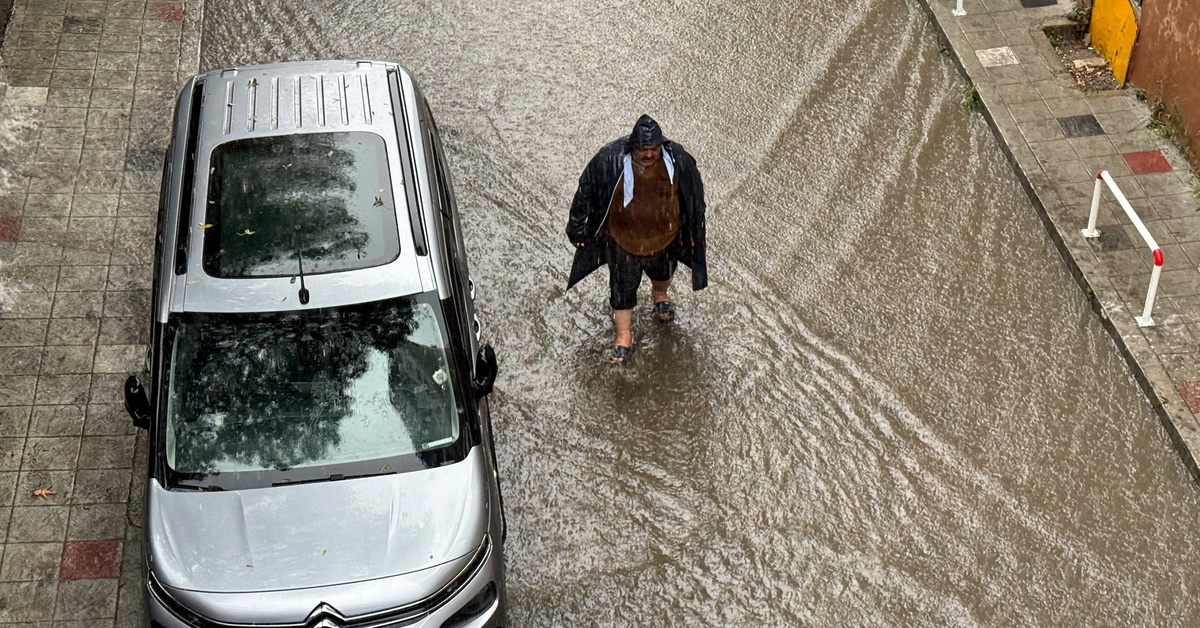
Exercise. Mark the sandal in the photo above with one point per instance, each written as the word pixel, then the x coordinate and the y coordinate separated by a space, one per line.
pixel 620 354
pixel 665 311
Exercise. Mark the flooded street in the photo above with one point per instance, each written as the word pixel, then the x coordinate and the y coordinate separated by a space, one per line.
pixel 893 405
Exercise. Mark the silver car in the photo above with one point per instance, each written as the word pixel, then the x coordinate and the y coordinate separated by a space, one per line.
pixel 316 398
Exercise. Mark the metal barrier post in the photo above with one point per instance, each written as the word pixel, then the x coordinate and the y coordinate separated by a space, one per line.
pixel 1145 319
pixel 1091 232
pixel 959 11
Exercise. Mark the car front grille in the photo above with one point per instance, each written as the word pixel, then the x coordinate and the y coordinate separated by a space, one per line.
pixel 325 616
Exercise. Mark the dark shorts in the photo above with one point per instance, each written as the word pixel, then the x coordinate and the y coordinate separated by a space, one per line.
pixel 625 273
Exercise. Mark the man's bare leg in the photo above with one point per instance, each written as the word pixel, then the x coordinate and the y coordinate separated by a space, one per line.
pixel 623 324
pixel 658 290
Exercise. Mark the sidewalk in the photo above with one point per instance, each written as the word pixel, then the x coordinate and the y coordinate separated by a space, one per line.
pixel 86 95
pixel 1057 139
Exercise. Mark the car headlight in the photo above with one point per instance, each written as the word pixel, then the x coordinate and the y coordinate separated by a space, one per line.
pixel 474 607
pixel 164 599
pixel 468 573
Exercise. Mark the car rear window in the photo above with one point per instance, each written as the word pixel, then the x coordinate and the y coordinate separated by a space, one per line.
pixel 321 199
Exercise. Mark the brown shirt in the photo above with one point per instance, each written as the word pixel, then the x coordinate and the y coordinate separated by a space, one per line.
pixel 651 220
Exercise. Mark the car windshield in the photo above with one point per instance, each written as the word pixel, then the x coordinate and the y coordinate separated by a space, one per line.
pixel 309 395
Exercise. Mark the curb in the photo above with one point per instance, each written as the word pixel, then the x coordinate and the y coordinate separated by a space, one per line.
pixel 6 8
pixel 1155 399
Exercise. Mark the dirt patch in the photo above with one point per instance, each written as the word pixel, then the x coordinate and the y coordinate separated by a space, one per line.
pixel 1069 38
pixel 1090 72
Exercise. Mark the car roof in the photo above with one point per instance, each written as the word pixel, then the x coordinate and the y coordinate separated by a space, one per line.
pixel 283 99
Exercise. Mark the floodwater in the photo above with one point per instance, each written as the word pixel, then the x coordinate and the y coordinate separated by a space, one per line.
pixel 892 406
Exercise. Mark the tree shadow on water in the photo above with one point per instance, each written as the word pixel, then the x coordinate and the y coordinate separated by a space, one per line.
pixel 272 393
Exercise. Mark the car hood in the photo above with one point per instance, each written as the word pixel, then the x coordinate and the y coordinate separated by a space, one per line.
pixel 313 535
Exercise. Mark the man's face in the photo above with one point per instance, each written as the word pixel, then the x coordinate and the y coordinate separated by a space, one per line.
pixel 647 155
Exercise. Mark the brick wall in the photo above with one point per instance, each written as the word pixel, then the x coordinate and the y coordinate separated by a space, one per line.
pixel 1166 62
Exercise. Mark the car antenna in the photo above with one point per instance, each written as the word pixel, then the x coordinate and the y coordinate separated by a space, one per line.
pixel 303 290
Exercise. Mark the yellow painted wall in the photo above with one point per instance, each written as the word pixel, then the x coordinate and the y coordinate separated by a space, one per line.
pixel 1114 29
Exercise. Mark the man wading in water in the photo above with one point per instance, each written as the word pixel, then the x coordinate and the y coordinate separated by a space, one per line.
pixel 639 208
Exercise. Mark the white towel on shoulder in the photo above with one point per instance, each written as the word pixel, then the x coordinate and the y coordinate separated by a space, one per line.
pixel 629 174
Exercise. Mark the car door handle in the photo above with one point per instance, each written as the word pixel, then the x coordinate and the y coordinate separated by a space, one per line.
pixel 478 328
pixel 471 288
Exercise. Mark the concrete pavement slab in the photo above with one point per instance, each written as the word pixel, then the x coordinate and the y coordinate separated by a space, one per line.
pixel 87 88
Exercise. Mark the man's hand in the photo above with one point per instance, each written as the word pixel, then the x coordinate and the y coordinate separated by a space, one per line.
pixel 579 245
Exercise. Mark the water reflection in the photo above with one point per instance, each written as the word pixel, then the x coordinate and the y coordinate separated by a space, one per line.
pixel 326 196
pixel 892 407
pixel 278 392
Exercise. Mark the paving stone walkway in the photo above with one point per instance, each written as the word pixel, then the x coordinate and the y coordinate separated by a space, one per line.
pixel 86 95
pixel 86 92
pixel 1058 138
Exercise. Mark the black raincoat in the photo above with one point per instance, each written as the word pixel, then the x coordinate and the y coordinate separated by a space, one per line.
pixel 589 211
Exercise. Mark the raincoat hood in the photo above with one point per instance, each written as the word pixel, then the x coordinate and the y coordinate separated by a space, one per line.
pixel 646 132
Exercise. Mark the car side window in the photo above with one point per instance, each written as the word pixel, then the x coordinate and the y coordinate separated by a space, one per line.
pixel 443 195
pixel 454 229
pixel 450 204
pixel 164 195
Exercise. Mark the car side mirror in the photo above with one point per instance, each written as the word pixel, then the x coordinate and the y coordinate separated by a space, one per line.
pixel 485 371
pixel 136 403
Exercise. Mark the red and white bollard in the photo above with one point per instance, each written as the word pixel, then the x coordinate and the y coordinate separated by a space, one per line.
pixel 1103 177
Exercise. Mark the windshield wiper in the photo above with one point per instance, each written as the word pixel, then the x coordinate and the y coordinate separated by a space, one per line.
pixel 203 488
pixel 300 263
pixel 303 290
pixel 332 478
